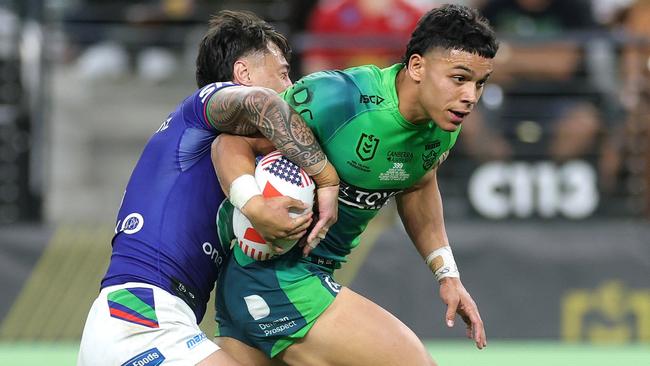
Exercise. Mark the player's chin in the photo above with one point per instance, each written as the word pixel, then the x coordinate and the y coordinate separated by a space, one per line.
pixel 450 126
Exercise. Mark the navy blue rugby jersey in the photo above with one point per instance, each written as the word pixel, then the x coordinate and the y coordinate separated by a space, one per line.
pixel 165 233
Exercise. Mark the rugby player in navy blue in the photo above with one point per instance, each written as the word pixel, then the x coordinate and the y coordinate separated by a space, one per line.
pixel 166 252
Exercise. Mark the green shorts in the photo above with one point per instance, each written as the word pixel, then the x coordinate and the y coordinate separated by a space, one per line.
pixel 271 304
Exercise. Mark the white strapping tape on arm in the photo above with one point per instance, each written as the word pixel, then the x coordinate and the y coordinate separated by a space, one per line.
pixel 243 189
pixel 442 264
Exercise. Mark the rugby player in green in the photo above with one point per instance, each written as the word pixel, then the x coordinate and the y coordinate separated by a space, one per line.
pixel 386 131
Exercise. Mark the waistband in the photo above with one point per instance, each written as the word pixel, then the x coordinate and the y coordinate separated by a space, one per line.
pixel 328 263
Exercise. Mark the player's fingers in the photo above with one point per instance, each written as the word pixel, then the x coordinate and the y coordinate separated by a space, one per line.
pixel 301 226
pixel 276 248
pixel 478 331
pixel 481 341
pixel 296 204
pixel 309 247
pixel 300 223
pixel 467 310
pixel 479 338
pixel 319 228
pixel 297 235
pixel 450 316
pixel 479 335
pixel 322 233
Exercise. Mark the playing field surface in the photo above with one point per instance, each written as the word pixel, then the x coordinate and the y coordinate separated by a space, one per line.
pixel 498 353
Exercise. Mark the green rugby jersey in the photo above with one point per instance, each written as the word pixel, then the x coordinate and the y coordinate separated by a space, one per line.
pixel 376 152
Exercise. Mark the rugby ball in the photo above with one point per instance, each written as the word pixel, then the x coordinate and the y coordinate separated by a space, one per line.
pixel 276 176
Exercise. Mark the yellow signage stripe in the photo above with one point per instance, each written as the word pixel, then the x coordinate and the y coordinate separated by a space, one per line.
pixel 55 299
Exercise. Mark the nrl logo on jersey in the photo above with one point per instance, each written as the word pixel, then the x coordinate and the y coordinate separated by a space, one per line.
pixel 365 199
pixel 367 147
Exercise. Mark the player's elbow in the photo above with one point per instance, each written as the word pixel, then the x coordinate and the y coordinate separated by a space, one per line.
pixel 217 144
pixel 221 146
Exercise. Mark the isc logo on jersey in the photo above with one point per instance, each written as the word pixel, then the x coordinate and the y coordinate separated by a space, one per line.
pixel 276 176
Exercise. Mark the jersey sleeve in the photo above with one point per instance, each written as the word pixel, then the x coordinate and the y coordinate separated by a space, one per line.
pixel 325 100
pixel 195 107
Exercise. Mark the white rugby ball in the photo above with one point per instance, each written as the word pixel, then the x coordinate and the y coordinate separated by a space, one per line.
pixel 276 176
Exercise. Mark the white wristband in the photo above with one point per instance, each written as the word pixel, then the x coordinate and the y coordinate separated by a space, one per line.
pixel 442 264
pixel 243 189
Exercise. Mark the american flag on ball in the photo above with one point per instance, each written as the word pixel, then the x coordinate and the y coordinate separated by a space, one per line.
pixel 278 165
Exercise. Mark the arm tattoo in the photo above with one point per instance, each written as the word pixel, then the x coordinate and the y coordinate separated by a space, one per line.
pixel 245 111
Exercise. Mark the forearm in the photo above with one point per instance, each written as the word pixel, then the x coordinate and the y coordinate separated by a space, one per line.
pixel 422 215
pixel 243 111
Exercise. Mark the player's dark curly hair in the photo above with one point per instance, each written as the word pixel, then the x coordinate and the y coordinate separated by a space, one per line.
pixel 452 27
pixel 231 35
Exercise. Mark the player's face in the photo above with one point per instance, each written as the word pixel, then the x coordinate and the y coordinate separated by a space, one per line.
pixel 270 69
pixel 451 83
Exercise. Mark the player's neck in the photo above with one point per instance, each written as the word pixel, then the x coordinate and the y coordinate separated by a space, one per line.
pixel 407 97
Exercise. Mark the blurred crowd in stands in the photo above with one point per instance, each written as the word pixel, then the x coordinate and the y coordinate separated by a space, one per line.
pixel 572 77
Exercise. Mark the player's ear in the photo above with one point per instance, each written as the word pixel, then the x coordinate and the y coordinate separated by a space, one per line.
pixel 241 73
pixel 415 67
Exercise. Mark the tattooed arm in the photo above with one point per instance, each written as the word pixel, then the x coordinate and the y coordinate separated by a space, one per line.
pixel 245 111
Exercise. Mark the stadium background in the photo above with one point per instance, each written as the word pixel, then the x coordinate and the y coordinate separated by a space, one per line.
pixel 555 251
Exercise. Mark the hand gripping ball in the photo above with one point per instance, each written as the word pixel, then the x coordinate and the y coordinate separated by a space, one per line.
pixel 276 176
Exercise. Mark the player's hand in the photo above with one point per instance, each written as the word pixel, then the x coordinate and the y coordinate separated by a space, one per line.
pixel 270 217
pixel 459 302
pixel 328 211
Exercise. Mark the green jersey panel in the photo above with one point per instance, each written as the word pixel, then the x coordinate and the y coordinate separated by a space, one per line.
pixel 376 152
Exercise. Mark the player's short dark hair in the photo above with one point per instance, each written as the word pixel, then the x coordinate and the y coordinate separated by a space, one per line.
pixel 454 27
pixel 231 35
